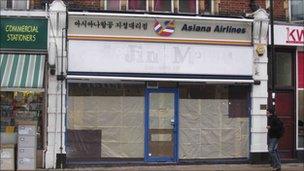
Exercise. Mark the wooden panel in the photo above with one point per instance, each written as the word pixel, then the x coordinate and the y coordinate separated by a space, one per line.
pixel 161 148
pixel 285 111
pixel 84 144
pixel 238 101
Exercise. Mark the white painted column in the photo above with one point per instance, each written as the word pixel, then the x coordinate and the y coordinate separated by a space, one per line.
pixel 56 124
pixel 259 97
pixel 259 93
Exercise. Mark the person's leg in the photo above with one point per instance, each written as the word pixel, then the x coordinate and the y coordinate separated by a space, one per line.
pixel 277 162
pixel 278 157
pixel 272 147
pixel 270 158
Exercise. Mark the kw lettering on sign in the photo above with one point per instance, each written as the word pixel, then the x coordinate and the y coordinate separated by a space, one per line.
pixel 295 36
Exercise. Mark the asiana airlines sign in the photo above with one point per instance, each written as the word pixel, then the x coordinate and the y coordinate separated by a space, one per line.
pixel 160 29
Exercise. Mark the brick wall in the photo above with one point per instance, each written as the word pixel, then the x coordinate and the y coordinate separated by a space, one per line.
pixel 279 11
pixel 225 7
pixel 238 7
pixel 83 4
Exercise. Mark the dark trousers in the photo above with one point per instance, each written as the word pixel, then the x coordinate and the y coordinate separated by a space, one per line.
pixel 273 152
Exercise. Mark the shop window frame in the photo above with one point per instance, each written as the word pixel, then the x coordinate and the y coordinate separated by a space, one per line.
pixel 298 90
pixel 156 11
pixel 292 51
pixel 11 4
pixel 298 145
pixel 290 12
pixel 212 10
pixel 15 2
pixel 196 8
pixel 106 7
pixel 137 10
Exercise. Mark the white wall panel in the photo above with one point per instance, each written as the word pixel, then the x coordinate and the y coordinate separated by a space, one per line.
pixel 256 104
pixel 258 142
pixel 166 58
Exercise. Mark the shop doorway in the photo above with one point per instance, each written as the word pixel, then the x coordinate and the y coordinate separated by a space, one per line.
pixel 285 111
pixel 283 84
pixel 161 125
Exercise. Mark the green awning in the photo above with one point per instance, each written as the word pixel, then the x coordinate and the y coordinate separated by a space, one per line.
pixel 21 70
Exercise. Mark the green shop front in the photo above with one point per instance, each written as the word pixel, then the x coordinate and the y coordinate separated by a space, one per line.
pixel 23 55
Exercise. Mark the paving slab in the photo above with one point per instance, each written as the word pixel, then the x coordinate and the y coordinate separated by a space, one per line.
pixel 204 167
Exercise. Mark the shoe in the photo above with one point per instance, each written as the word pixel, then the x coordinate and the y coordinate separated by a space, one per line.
pixel 276 169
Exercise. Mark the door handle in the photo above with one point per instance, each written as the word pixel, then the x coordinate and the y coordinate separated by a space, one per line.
pixel 172 122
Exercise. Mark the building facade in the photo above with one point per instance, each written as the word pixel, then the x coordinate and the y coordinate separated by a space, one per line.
pixel 23 75
pixel 164 81
pixel 287 78
pixel 149 87
pixel 31 39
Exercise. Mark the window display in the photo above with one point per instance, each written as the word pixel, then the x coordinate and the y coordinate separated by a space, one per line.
pixel 18 107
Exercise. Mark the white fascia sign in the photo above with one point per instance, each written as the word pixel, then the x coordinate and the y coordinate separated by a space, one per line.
pixel 160 58
pixel 287 35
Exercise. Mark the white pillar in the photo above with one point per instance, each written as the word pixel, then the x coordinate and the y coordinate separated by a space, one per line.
pixel 56 124
pixel 259 97
pixel 259 91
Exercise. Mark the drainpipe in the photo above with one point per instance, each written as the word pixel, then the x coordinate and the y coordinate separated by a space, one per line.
pixel 272 56
pixel 61 158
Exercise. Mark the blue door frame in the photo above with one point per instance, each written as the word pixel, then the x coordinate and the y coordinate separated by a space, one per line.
pixel 148 158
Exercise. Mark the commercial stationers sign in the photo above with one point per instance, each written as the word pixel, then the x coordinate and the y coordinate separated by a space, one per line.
pixel 23 34
pixel 153 29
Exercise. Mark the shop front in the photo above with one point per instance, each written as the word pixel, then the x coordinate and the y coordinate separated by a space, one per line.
pixel 23 44
pixel 288 86
pixel 152 88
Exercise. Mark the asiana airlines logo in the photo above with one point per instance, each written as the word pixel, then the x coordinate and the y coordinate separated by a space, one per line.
pixel 166 30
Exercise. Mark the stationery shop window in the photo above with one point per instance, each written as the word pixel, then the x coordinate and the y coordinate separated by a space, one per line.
pixel 163 5
pixel 188 6
pixel 137 5
pixel 16 107
pixel 112 5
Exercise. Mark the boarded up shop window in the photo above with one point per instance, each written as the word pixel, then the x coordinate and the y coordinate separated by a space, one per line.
pixel 112 115
pixel 238 101
pixel 203 114
pixel 203 91
pixel 107 89
pixel 84 143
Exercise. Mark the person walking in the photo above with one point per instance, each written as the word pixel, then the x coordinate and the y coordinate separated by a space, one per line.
pixel 275 132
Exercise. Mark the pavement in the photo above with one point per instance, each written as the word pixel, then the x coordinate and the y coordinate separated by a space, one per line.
pixel 203 167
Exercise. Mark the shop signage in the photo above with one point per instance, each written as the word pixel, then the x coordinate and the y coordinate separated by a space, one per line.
pixel 288 35
pixel 23 34
pixel 146 28
pixel 165 58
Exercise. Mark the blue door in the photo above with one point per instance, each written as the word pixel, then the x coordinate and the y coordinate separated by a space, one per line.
pixel 161 125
